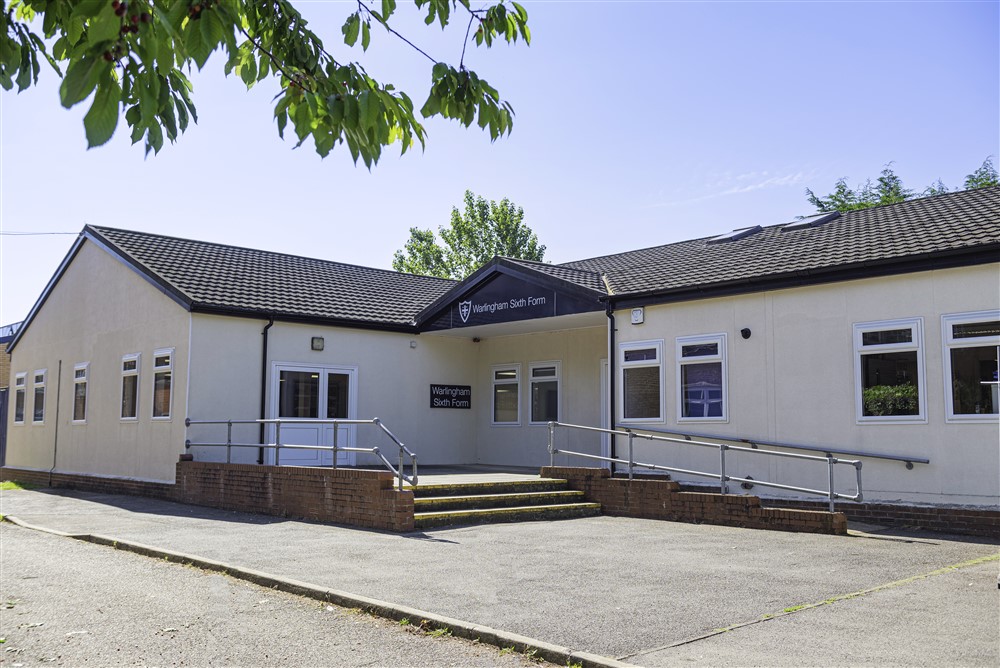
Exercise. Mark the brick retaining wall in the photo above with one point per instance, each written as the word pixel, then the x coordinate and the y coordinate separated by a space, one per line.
pixel 663 500
pixel 354 497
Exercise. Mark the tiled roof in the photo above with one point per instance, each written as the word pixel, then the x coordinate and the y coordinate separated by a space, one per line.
pixel 585 278
pixel 242 280
pixel 954 222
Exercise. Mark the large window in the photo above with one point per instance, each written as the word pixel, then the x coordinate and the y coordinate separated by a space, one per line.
pixel 642 380
pixel 971 371
pixel 130 387
pixel 701 378
pixel 163 367
pixel 889 371
pixel 38 405
pixel 19 390
pixel 506 394
pixel 544 378
pixel 80 373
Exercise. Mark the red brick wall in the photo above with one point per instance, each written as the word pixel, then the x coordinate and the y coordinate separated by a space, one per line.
pixel 343 496
pixel 663 500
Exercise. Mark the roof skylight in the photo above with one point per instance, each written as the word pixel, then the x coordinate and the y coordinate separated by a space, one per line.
pixel 735 235
pixel 811 221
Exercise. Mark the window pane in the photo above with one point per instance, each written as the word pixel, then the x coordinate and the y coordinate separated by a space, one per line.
pixel 39 407
pixel 505 374
pixel 543 372
pixel 887 336
pixel 18 406
pixel 700 350
pixel 701 385
pixel 974 329
pixel 298 396
pixel 640 355
pixel 337 385
pixel 129 365
pixel 545 401
pixel 80 373
pixel 80 401
pixel 889 384
pixel 130 395
pixel 974 380
pixel 161 394
pixel 161 361
pixel 505 403
pixel 641 392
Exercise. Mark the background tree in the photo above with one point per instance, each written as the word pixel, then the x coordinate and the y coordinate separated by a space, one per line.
pixel 129 56
pixel 888 189
pixel 472 239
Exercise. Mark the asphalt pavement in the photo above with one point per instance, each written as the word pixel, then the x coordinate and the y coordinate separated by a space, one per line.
pixel 646 592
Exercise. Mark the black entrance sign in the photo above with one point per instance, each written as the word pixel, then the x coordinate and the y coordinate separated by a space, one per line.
pixel 506 299
pixel 451 396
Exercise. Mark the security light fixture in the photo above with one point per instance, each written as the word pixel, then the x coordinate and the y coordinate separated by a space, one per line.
pixel 745 332
pixel 317 343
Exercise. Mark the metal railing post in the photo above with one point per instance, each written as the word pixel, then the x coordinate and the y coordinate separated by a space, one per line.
pixel 400 469
pixel 829 463
pixel 277 442
pixel 552 442
pixel 722 468
pixel 631 458
pixel 336 432
pixel 229 442
pixel 857 471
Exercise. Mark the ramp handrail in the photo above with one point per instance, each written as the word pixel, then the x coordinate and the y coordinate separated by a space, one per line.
pixel 278 446
pixel 722 476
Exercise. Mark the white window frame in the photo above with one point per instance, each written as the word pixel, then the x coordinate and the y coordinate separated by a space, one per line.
pixel 720 357
pixel 623 348
pixel 157 370
pixel 516 368
pixel 85 381
pixel 35 385
pixel 916 327
pixel 20 386
pixel 137 357
pixel 557 365
pixel 948 343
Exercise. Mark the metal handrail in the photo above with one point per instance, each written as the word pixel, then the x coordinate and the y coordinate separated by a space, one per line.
pixel 721 476
pixel 754 442
pixel 278 446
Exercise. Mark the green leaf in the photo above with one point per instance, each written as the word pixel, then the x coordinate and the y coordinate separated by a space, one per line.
pixel 104 27
pixel 365 36
pixel 102 119
pixel 87 8
pixel 351 28
pixel 81 78
pixel 388 7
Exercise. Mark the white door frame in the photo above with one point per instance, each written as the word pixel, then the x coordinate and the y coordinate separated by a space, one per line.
pixel 350 431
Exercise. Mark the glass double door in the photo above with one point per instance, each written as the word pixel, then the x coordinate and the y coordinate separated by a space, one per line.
pixel 313 393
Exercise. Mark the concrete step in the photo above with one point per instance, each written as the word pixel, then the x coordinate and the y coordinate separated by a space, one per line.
pixel 426 520
pixel 478 488
pixel 508 500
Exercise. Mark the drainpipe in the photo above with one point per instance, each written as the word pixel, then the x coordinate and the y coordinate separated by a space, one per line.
pixel 609 311
pixel 55 438
pixel 263 388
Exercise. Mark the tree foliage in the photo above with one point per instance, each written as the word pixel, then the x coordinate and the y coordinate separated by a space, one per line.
pixel 888 189
pixel 486 229
pixel 130 56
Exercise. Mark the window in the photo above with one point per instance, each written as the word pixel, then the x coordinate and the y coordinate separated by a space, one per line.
pixel 544 378
pixel 889 371
pixel 38 406
pixel 80 373
pixel 701 378
pixel 642 380
pixel 19 388
pixel 506 395
pixel 971 371
pixel 163 366
pixel 130 386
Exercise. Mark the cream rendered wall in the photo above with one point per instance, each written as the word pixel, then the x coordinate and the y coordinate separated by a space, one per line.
pixel 393 382
pixel 97 312
pixel 793 381
pixel 580 352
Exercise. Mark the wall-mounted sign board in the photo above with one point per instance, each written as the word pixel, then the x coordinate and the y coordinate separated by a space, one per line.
pixel 451 396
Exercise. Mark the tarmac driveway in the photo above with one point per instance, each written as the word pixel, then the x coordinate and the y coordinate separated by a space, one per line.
pixel 649 592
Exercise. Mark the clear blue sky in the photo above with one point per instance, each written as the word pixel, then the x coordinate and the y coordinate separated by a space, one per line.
pixel 638 124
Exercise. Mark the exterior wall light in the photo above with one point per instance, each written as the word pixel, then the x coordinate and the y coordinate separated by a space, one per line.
pixel 317 343
pixel 745 332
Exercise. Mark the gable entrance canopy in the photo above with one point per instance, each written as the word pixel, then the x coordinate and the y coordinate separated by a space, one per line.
pixel 516 296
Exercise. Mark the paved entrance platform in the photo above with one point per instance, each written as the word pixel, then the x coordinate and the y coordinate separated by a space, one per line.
pixel 647 592
pixel 461 475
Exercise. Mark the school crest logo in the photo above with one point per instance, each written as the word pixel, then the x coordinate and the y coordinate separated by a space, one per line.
pixel 464 309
